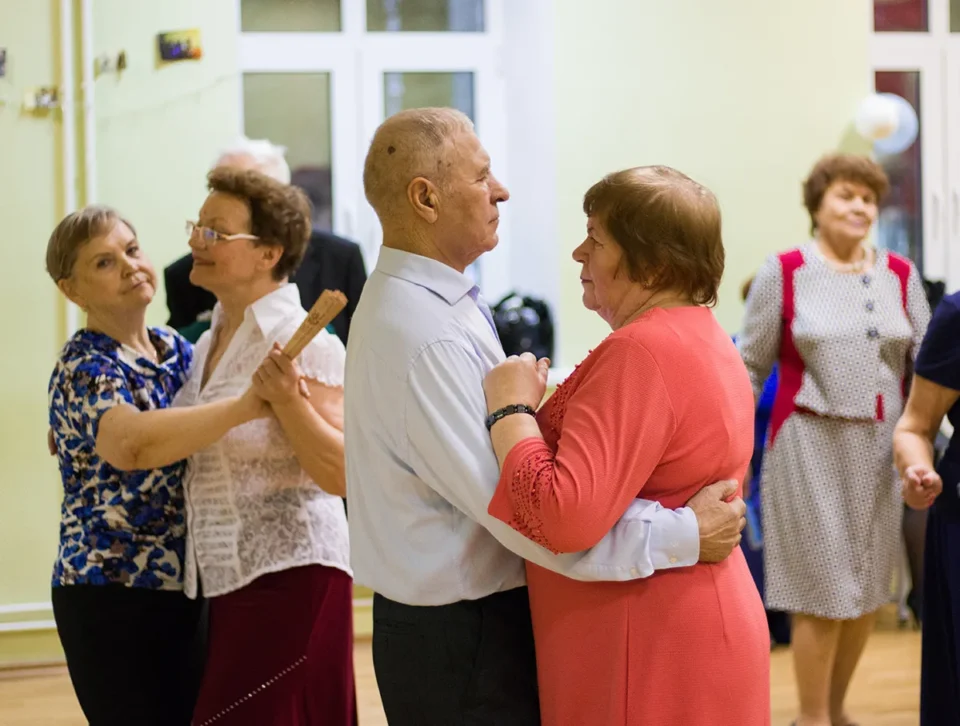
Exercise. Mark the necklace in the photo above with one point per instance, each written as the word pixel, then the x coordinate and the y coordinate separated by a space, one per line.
pixel 857 266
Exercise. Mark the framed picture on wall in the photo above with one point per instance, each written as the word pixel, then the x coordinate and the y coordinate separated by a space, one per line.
pixel 179 45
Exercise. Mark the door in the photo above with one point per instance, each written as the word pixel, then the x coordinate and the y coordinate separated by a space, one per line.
pixel 913 217
pixel 399 76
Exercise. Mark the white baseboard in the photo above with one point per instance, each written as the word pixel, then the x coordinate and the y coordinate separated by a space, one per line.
pixel 26 607
pixel 24 617
pixel 46 608
pixel 21 626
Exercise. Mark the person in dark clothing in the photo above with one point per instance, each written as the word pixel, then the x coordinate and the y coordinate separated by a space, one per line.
pixel 331 262
pixel 933 486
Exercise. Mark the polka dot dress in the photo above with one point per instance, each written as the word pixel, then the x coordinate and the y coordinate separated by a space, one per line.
pixel 831 498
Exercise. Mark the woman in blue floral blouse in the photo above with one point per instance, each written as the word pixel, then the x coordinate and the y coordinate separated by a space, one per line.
pixel 131 637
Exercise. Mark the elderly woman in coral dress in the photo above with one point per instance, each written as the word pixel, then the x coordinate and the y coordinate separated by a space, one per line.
pixel 660 409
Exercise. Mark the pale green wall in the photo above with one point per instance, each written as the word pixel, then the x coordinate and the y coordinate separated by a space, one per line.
pixel 29 204
pixel 743 95
pixel 158 130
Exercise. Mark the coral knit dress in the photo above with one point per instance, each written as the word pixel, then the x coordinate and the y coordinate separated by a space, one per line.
pixel 662 408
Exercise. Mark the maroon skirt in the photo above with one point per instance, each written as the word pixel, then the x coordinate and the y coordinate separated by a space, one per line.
pixel 281 652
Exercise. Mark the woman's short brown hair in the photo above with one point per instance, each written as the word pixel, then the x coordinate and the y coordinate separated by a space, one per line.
pixel 841 167
pixel 279 213
pixel 73 232
pixel 668 226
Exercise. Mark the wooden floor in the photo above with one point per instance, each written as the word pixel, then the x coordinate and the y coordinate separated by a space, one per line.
pixel 884 691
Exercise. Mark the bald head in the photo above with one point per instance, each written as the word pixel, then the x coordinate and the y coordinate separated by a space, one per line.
pixel 410 144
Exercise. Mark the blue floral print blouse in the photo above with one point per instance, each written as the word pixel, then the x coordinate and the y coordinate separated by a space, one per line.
pixel 123 527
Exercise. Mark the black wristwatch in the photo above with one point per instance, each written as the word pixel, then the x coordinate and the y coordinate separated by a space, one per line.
pixel 507 411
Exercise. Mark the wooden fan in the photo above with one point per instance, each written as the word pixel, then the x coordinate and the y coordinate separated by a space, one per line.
pixel 324 310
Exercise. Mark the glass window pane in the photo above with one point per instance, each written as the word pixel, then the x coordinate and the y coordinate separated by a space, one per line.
pixel 418 90
pixel 307 16
pixel 293 110
pixel 892 16
pixel 431 16
pixel 900 224
pixel 955 16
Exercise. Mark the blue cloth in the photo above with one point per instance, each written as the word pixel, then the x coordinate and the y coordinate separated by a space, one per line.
pixel 122 527
pixel 761 424
pixel 939 362
pixel 753 533
pixel 777 621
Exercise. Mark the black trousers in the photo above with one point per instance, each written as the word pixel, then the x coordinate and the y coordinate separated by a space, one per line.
pixel 135 656
pixel 471 663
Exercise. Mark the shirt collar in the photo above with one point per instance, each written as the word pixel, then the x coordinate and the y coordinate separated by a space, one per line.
pixel 269 311
pixel 430 274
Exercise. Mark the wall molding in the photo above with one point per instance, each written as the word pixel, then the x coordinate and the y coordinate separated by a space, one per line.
pixel 21 626
pixel 26 616
pixel 39 616
pixel 26 607
pixel 47 607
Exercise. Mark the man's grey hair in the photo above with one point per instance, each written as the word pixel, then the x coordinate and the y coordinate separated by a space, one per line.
pixel 260 154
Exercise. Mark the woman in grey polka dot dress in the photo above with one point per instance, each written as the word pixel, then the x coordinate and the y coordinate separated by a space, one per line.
pixel 843 321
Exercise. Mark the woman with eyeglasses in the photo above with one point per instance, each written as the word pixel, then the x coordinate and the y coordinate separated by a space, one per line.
pixel 133 641
pixel 267 530
pixel 268 535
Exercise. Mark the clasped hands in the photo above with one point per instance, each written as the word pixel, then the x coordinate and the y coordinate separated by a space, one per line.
pixel 278 381
pixel 520 379
pixel 920 485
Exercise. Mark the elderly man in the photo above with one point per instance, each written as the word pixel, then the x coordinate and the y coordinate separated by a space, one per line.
pixel 331 262
pixel 452 636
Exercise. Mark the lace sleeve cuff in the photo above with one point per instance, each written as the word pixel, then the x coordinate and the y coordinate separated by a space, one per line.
pixel 517 499
pixel 323 360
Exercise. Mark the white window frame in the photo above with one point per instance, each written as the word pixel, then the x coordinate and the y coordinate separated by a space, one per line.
pixel 914 57
pixel 355 60
pixel 306 53
pixel 936 55
pixel 471 55
pixel 952 85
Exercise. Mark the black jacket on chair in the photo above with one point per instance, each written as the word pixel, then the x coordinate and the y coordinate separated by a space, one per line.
pixel 330 263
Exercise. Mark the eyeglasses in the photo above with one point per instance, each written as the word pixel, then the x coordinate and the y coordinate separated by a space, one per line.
pixel 210 237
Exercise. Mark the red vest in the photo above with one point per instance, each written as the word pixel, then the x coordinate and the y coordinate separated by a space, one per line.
pixel 791 366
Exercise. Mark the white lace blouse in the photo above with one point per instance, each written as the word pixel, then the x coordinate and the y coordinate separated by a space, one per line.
pixel 251 508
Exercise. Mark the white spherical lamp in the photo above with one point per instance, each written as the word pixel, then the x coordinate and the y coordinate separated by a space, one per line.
pixel 906 132
pixel 877 117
